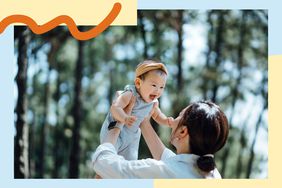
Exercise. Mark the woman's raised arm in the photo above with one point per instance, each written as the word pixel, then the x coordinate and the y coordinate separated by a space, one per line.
pixel 153 141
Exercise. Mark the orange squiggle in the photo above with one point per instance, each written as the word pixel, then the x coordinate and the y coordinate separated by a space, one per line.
pixel 37 29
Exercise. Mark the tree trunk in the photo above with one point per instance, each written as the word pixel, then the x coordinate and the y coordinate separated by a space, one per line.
pixel 21 165
pixel 143 34
pixel 32 126
pixel 31 150
pixel 218 49
pixel 179 51
pixel 178 26
pixel 75 147
pixel 44 128
pixel 205 84
pixel 58 134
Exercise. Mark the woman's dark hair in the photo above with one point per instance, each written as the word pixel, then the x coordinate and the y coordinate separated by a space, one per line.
pixel 208 131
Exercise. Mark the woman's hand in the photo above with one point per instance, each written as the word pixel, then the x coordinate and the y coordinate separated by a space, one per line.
pixel 170 121
pixel 129 107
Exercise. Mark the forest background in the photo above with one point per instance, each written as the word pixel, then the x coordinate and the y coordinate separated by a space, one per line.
pixel 64 87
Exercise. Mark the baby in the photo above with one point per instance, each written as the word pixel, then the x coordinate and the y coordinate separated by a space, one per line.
pixel 150 80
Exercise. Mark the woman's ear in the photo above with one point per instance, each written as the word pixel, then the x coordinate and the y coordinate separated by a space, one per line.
pixel 183 131
pixel 138 82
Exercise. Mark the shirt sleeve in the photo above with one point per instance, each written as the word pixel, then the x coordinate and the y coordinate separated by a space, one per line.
pixel 167 153
pixel 108 164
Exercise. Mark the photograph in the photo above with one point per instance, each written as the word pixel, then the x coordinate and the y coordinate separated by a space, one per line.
pixel 181 95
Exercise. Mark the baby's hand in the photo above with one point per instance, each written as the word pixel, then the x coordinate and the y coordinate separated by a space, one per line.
pixel 129 120
pixel 170 121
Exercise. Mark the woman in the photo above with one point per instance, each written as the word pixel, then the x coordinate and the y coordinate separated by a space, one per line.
pixel 200 130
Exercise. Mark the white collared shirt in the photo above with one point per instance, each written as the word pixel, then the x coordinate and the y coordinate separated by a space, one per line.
pixel 108 164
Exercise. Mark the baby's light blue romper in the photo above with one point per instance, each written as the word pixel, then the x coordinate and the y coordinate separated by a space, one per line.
pixel 128 141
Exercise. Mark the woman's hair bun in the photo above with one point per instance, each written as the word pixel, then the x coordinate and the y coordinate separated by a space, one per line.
pixel 206 163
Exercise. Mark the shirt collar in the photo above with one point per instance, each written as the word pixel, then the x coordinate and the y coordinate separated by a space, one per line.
pixel 188 158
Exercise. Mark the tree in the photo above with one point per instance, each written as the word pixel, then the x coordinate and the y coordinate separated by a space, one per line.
pixel 77 116
pixel 21 165
pixel 143 33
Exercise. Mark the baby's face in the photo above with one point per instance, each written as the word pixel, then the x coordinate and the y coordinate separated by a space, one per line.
pixel 152 86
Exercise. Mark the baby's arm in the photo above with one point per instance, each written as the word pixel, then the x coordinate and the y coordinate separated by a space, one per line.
pixel 117 109
pixel 159 117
